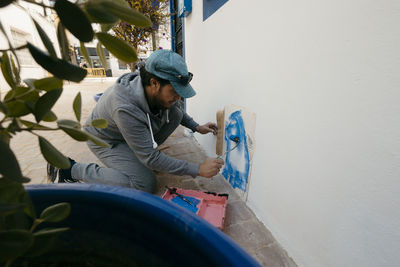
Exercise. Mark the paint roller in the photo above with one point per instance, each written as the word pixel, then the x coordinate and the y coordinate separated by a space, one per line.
pixel 220 135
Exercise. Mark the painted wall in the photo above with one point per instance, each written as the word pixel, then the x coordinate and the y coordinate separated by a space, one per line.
pixel 323 79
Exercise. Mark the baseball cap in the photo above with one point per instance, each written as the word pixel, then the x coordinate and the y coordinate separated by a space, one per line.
pixel 170 66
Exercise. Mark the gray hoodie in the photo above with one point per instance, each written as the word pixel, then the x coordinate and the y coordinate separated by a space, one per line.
pixel 130 120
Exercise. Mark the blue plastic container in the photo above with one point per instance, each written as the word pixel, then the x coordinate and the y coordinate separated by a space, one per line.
pixel 114 226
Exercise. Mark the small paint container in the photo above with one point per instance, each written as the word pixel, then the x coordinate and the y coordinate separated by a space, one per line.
pixel 208 205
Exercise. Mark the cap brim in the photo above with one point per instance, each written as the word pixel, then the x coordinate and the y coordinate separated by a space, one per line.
pixel 185 91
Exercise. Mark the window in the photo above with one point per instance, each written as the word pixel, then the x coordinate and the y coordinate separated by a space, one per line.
pixel 19 39
pixel 122 65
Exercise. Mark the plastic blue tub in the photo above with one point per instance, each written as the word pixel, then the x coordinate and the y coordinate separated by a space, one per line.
pixel 114 226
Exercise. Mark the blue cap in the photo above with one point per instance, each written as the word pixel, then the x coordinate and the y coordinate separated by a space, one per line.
pixel 170 66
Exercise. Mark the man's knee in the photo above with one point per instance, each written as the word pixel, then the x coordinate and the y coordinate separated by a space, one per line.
pixel 146 182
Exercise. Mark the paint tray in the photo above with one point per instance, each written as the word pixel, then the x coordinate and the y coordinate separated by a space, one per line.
pixel 208 205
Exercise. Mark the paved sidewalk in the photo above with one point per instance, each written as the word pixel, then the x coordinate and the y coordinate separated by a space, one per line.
pixel 240 222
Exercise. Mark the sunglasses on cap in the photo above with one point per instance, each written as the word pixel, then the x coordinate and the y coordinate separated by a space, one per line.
pixel 181 78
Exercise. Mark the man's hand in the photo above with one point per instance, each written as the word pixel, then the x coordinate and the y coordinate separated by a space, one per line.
pixel 209 127
pixel 210 167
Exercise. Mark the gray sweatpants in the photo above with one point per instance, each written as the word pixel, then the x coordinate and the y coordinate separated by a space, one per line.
pixel 123 168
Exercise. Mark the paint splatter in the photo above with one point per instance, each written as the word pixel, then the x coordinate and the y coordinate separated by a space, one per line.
pixel 186 205
pixel 237 161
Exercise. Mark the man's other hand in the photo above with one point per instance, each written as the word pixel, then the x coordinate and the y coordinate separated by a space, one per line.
pixel 210 167
pixel 209 127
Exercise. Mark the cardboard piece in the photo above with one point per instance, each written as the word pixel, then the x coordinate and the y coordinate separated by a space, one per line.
pixel 239 143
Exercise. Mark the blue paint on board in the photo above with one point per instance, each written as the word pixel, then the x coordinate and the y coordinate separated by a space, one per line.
pixel 235 175
pixel 186 205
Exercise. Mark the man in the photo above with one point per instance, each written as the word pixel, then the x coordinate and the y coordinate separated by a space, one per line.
pixel 142 110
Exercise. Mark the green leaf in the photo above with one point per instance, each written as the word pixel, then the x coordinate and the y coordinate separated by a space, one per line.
pixel 97 140
pixel 52 155
pixel 44 241
pixel 99 13
pixel 4 3
pixel 59 68
pixel 45 103
pixel 14 243
pixel 20 106
pixel 34 125
pixel 99 123
pixel 117 47
pixel 48 84
pixel 50 116
pixel 7 71
pixel 15 71
pixel 77 106
pixel 29 208
pixel 8 208
pixel 122 10
pixel 100 52
pixel 76 134
pixel 3 108
pixel 56 213
pixel 45 39
pixel 75 20
pixel 69 123
pixel 9 166
pixel 86 54
pixel 105 27
pixel 63 42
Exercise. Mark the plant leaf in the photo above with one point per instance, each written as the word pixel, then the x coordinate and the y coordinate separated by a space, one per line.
pixel 75 20
pixel 86 54
pixel 34 125
pixel 30 82
pixel 59 68
pixel 123 11
pixel 52 155
pixel 48 84
pixel 117 47
pixel 15 71
pixel 99 13
pixel 45 39
pixel 100 52
pixel 105 27
pixel 9 166
pixel 44 241
pixel 45 103
pixel 7 71
pixel 77 106
pixel 56 212
pixel 99 123
pixel 63 42
pixel 69 123
pixel 50 116
pixel 76 134
pixel 8 208
pixel 20 107
pixel 4 3
pixel 14 243
pixel 97 140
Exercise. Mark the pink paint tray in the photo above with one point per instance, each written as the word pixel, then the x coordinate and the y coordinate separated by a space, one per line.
pixel 210 206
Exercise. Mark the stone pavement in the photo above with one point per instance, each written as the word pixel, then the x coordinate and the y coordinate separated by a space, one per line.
pixel 240 222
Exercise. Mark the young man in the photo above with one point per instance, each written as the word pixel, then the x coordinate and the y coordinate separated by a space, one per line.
pixel 142 110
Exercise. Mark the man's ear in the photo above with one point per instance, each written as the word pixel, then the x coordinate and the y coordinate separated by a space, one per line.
pixel 155 85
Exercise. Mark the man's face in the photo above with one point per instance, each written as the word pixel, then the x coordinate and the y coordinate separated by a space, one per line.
pixel 166 96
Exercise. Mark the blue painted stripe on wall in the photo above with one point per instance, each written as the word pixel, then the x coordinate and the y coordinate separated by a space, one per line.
pixel 210 6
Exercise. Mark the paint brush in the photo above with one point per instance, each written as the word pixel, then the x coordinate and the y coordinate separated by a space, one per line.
pixel 237 141
pixel 173 191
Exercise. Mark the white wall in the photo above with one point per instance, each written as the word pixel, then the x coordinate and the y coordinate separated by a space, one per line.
pixel 323 79
pixel 16 18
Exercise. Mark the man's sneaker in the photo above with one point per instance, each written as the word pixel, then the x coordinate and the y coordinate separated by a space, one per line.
pixel 61 175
